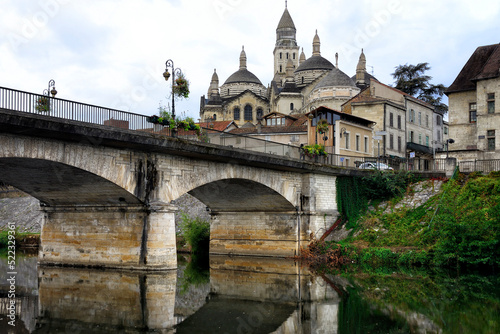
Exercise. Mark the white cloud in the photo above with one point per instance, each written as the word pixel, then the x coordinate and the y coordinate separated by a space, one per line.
pixel 112 53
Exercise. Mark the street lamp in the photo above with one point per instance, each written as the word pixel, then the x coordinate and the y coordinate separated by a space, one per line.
pixel 166 75
pixel 48 91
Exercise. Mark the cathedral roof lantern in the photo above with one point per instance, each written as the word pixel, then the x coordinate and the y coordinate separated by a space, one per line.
pixel 316 45
pixel 243 75
pixel 243 59
pixel 315 62
pixel 302 57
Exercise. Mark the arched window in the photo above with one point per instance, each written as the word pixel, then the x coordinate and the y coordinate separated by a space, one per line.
pixel 228 91
pixel 291 106
pixel 248 113
pixel 302 81
pixel 281 68
pixel 215 117
pixel 236 113
pixel 281 55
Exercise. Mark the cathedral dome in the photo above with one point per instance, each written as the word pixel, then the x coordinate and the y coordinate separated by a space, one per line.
pixel 315 63
pixel 243 75
pixel 335 78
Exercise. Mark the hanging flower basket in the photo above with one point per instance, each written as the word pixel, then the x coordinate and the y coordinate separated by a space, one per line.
pixel 42 104
pixel 181 87
pixel 322 126
pixel 313 151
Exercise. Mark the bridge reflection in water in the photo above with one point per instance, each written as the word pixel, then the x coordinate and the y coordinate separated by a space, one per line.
pixel 247 295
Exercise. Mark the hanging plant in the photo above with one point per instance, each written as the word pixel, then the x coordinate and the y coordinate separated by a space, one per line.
pixel 315 150
pixel 181 86
pixel 322 126
pixel 42 104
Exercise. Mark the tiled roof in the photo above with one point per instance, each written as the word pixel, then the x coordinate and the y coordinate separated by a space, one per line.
pixel 483 64
pixel 286 21
pixel 216 125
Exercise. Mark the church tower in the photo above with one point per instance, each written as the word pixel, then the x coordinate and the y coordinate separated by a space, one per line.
pixel 286 45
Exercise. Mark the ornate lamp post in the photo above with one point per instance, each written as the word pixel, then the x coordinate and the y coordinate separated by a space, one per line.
pixel 166 75
pixel 48 91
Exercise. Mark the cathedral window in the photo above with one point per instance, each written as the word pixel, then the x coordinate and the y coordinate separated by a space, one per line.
pixel 248 113
pixel 291 106
pixel 281 68
pixel 215 117
pixel 302 79
pixel 293 55
pixel 287 55
pixel 236 114
pixel 281 55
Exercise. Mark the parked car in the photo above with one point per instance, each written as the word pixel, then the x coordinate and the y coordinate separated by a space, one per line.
pixel 375 165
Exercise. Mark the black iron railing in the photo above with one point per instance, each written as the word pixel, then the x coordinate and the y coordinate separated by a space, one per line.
pixel 16 100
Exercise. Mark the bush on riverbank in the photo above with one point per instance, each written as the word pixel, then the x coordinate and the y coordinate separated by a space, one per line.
pixel 458 226
pixel 461 225
pixel 196 232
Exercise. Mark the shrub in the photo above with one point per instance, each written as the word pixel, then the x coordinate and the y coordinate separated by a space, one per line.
pixel 196 232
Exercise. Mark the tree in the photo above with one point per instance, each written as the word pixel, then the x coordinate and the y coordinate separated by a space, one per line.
pixel 412 80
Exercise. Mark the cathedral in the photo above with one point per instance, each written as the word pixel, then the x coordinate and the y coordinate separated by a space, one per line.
pixel 299 84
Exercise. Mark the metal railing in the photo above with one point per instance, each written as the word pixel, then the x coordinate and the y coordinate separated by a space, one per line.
pixel 16 100
pixel 485 166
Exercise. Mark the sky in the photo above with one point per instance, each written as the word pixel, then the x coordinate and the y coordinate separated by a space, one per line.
pixel 112 53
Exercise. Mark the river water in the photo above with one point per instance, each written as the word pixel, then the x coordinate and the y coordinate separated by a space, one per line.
pixel 248 295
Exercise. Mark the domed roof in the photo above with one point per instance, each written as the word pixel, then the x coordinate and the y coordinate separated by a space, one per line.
pixel 243 75
pixel 315 63
pixel 335 78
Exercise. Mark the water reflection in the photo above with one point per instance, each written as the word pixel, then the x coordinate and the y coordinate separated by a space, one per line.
pixel 259 295
pixel 250 295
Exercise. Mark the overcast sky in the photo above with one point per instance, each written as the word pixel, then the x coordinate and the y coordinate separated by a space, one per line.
pixel 112 53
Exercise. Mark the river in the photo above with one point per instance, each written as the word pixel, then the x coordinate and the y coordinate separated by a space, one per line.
pixel 248 295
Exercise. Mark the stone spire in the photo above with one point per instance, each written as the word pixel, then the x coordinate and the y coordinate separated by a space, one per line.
pixel 302 57
pixel 214 85
pixel 243 59
pixel 361 69
pixel 316 45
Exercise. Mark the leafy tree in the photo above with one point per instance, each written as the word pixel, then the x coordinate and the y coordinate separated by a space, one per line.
pixel 412 80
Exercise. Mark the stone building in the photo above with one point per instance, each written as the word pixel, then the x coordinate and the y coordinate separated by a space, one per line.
pixel 474 118
pixel 299 84
pixel 409 127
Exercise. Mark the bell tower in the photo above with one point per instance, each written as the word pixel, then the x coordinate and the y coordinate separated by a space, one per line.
pixel 286 45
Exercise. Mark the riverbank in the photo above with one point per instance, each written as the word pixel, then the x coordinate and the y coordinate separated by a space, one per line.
pixel 458 225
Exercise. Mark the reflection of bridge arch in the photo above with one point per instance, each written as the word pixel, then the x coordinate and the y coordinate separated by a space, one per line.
pixel 260 295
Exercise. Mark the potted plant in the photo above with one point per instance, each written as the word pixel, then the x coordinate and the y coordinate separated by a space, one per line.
pixel 42 104
pixel 314 151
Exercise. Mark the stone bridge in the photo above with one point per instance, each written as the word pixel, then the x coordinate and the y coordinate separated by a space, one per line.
pixel 106 193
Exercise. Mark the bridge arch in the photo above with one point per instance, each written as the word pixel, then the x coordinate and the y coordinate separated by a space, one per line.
pixel 55 183
pixel 241 195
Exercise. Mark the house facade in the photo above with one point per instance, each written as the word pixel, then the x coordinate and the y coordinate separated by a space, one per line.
pixel 474 113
